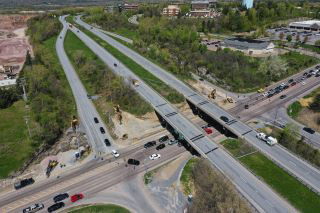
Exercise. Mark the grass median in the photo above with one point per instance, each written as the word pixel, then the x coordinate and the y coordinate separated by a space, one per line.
pixel 300 196
pixel 163 89
pixel 110 208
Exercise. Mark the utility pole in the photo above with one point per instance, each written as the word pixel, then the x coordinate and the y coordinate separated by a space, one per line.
pixel 23 84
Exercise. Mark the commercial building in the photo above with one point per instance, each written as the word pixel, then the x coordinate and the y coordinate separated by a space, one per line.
pixel 171 10
pixel 312 25
pixel 247 3
pixel 203 5
pixel 130 6
pixel 248 46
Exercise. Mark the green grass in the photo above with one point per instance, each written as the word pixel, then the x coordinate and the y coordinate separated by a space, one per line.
pixel 148 176
pixel 185 175
pixel 314 93
pixel 127 33
pixel 110 208
pixel 237 149
pixel 310 47
pixel 283 183
pixel 294 109
pixel 15 146
pixel 169 93
pixel 135 104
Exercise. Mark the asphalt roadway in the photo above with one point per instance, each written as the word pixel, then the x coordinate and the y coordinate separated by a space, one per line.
pixel 89 179
pixel 257 192
pixel 85 107
pixel 299 168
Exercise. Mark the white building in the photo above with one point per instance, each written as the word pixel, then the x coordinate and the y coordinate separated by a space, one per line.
pixel 8 82
pixel 171 10
pixel 313 25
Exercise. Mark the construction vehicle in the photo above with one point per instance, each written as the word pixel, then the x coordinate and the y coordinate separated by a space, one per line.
pixel 212 94
pixel 229 99
pixel 51 165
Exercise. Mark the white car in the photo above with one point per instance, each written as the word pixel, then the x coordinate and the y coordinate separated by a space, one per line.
pixel 154 156
pixel 115 153
pixel 34 208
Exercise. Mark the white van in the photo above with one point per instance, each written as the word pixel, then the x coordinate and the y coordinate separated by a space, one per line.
pixel 271 141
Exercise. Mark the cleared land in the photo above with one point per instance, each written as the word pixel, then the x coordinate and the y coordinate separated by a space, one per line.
pixel 289 187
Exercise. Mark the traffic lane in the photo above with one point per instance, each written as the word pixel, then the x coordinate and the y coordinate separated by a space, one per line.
pixel 110 177
pixel 253 189
pixel 91 165
pixel 275 101
pixel 87 109
pixel 310 84
pixel 295 166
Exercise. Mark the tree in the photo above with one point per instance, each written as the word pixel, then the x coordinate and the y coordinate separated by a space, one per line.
pixel 289 38
pixel 28 59
pixel 305 39
pixel 317 43
pixel 79 57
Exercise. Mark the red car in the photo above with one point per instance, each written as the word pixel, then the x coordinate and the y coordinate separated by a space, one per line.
pixel 76 197
pixel 208 131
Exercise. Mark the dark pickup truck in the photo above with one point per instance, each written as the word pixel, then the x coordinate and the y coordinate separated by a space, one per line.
pixel 23 183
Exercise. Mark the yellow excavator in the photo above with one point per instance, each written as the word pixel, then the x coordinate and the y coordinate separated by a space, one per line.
pixel 212 94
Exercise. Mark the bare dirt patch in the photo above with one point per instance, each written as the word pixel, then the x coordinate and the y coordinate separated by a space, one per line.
pixel 13 42
pixel 206 90
pixel 309 118
pixel 305 102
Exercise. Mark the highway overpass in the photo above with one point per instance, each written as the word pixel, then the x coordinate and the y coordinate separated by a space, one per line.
pixel 296 166
pixel 257 192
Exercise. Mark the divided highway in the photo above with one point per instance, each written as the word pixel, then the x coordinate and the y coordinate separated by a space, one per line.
pixel 257 192
pixel 294 165
pixel 85 108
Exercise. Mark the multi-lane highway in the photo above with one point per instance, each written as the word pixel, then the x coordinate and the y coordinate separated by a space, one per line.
pixel 86 110
pixel 258 193
pixel 294 165
pixel 91 178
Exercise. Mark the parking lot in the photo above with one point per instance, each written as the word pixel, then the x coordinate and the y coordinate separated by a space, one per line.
pixel 313 36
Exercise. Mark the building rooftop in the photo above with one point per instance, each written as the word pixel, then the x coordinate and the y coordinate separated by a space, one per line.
pixel 173 6
pixel 244 44
pixel 310 22
pixel 8 82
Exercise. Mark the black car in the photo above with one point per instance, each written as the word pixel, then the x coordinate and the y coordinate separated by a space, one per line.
pixel 107 142
pixel 164 138
pixel 89 97
pixel 102 130
pixel 293 83
pixel 304 74
pixel 310 71
pixel 55 207
pixel 290 81
pixel 60 197
pixel 309 75
pixel 317 75
pixel 133 162
pixel 96 120
pixel 23 183
pixel 309 130
pixel 149 144
pixel 246 106
pixel 91 28
pixel 224 118
pixel 283 96
pixel 115 64
pixel 161 146
pixel 318 67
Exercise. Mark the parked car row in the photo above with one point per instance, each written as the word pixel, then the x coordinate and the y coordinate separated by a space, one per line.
pixel 291 82
pixel 58 204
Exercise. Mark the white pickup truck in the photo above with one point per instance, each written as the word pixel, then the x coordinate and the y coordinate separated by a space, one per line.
pixel 268 139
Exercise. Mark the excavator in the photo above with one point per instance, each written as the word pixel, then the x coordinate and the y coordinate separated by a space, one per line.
pixel 212 94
